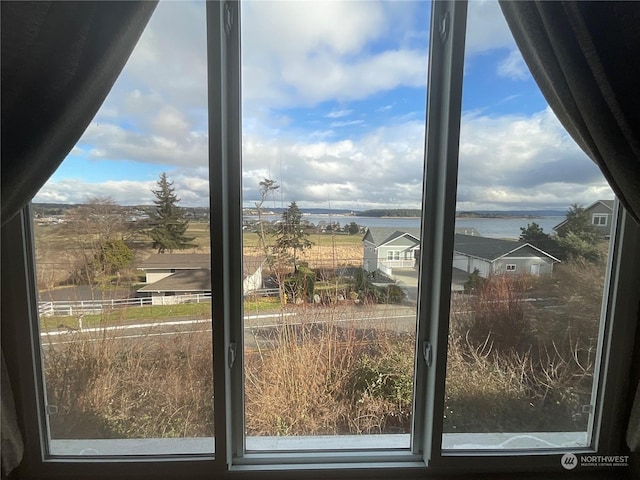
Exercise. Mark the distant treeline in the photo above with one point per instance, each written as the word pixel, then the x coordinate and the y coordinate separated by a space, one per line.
pixel 395 212
pixel 59 209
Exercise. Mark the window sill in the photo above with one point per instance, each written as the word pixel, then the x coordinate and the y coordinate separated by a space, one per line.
pixel 452 443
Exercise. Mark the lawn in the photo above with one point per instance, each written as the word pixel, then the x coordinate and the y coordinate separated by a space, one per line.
pixel 152 313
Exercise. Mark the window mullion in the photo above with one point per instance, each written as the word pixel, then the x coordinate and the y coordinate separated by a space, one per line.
pixel 444 101
pixel 223 51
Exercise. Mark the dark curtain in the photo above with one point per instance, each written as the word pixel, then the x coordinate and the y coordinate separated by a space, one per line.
pixel 585 57
pixel 59 61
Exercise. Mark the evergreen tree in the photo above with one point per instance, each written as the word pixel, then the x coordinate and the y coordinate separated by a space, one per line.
pixel 169 225
pixel 291 235
pixel 578 237
pixel 578 223
pixel 535 235
pixel 353 228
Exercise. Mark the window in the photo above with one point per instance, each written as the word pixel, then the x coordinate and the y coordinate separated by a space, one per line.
pixel 393 255
pixel 600 219
pixel 125 318
pixel 246 334
pixel 511 267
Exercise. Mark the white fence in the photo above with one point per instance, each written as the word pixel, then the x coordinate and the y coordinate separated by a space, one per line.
pixel 81 307
pixel 386 269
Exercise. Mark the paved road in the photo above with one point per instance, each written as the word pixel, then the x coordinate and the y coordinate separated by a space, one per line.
pixel 398 318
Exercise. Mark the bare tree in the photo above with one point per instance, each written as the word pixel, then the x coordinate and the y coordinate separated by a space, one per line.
pixel 95 230
pixel 267 187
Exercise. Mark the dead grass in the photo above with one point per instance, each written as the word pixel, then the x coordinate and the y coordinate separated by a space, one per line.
pixel 510 369
pixel 106 387
pixel 329 379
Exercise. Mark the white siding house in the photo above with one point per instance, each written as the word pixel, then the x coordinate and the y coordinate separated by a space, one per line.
pixel 171 274
pixel 490 256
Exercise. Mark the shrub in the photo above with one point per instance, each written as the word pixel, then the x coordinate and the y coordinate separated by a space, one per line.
pixel 301 284
pixel 498 315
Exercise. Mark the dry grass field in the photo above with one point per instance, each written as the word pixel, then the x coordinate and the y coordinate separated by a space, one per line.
pixel 57 251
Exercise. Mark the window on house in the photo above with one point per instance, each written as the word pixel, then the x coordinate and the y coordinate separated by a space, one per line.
pixel 511 267
pixel 393 255
pixel 326 365
pixel 600 219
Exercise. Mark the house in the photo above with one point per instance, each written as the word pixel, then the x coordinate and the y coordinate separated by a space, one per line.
pixel 171 274
pixel 600 216
pixel 493 256
pixel 161 265
pixel 389 248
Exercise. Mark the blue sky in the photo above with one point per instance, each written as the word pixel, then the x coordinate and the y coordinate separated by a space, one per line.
pixel 333 109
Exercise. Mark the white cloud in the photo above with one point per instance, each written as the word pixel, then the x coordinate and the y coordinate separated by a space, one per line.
pixel 486 28
pixel 124 192
pixel 513 67
pixel 303 53
pixel 345 123
pixel 176 147
pixel 157 114
pixel 339 113
pixel 191 186
pixel 516 161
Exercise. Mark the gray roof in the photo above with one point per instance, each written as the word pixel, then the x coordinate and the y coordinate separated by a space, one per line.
pixel 484 247
pixel 472 245
pixel 181 261
pixel 382 235
pixel 194 261
pixel 186 281
pixel 607 203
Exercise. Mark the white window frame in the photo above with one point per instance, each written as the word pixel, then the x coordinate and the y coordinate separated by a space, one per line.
pixel 24 360
pixel 393 255
pixel 511 267
pixel 597 219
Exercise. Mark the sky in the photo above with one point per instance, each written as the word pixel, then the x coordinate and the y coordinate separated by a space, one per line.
pixel 333 99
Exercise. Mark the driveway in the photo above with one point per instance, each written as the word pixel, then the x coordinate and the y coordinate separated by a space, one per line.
pixel 407 278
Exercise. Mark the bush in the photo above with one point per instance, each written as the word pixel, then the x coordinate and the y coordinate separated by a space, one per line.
pixel 301 284
pixel 509 392
pixel 498 318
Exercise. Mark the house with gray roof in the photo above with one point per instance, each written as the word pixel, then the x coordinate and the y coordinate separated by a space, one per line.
pixel 172 274
pixel 493 256
pixel 161 265
pixel 389 248
pixel 600 214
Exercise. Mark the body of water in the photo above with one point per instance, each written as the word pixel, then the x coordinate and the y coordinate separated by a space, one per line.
pixel 487 227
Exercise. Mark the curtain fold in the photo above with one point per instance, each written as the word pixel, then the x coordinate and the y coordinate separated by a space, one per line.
pixel 59 61
pixel 585 57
